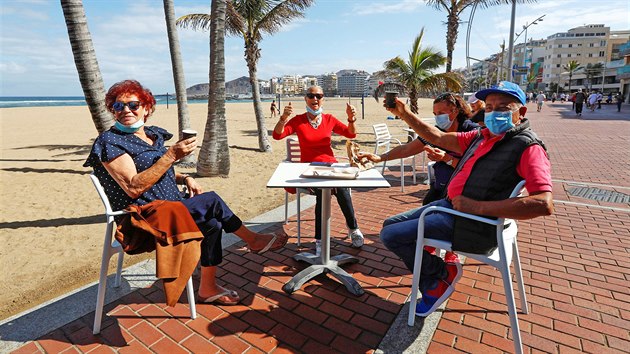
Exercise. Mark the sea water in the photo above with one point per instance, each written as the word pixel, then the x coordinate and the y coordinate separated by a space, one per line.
pixel 54 101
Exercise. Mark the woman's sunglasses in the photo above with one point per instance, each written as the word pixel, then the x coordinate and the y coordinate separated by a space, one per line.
pixel 313 95
pixel 120 106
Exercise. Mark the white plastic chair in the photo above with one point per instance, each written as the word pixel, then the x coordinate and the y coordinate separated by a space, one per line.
pixel 384 138
pixel 110 248
pixel 501 258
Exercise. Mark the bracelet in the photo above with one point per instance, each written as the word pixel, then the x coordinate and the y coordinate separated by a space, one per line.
pixel 184 179
pixel 352 121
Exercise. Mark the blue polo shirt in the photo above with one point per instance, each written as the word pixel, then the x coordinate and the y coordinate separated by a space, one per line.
pixel 113 143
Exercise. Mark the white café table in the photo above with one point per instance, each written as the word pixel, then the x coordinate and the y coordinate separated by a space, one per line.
pixel 287 174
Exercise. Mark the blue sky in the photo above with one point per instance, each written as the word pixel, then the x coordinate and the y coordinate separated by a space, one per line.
pixel 130 39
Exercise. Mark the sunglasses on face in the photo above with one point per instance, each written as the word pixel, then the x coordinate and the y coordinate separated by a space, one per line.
pixel 313 95
pixel 120 106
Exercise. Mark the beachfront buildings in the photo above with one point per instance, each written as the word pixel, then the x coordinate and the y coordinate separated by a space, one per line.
pixel 351 83
pixel 593 44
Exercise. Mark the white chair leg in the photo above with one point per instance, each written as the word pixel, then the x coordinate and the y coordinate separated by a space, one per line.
pixel 299 211
pixel 286 207
pixel 191 298
pixel 102 280
pixel 504 268
pixel 118 278
pixel 413 168
pixel 402 174
pixel 519 278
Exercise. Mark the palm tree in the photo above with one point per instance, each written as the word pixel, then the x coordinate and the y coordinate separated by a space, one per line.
pixel 183 118
pixel 417 75
pixel 453 9
pixel 214 157
pixel 593 71
pixel 251 19
pixel 86 63
pixel 571 67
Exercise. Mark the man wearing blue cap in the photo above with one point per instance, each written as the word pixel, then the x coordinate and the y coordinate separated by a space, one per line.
pixel 494 160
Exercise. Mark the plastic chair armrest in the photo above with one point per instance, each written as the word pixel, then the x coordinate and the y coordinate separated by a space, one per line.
pixel 496 222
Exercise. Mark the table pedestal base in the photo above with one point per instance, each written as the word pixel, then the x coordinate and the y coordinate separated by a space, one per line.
pixel 317 268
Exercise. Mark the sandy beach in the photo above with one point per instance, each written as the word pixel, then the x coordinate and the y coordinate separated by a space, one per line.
pixel 51 219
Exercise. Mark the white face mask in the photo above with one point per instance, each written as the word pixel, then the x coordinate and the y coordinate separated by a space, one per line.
pixel 129 128
pixel 313 112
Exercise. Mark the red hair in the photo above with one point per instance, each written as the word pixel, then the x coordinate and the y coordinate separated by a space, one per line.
pixel 130 87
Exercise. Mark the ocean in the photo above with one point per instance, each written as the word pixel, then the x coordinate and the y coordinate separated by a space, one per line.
pixel 55 101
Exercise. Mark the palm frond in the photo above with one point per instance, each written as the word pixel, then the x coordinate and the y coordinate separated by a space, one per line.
pixel 282 13
pixel 388 86
pixel 195 22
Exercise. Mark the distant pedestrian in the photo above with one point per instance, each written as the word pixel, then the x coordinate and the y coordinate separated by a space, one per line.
pixel 274 109
pixel 540 100
pixel 619 99
pixel 592 99
pixel 609 99
pixel 600 97
pixel 580 97
pixel 554 97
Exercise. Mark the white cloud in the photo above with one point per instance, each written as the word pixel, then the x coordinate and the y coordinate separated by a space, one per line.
pixel 375 8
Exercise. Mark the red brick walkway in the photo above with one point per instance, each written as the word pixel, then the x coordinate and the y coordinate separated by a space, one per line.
pixel 576 271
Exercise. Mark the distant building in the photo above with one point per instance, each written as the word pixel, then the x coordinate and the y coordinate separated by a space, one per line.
pixel 328 82
pixel 351 82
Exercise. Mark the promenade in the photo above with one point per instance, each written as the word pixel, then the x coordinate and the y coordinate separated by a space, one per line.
pixel 575 265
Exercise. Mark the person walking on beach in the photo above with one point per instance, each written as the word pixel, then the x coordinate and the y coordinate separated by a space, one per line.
pixel 314 131
pixel 135 167
pixel 274 109
pixel 540 100
pixel 494 160
pixel 580 97
pixel 619 99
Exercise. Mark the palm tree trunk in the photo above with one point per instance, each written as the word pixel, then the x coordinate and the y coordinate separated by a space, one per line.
pixel 86 63
pixel 251 56
pixel 214 157
pixel 451 37
pixel 183 118
pixel 413 100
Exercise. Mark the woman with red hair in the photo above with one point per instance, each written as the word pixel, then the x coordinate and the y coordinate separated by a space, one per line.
pixel 135 167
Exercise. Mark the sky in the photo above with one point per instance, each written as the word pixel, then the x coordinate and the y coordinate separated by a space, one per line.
pixel 130 39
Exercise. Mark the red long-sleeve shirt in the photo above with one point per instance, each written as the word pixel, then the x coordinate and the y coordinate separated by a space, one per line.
pixel 315 143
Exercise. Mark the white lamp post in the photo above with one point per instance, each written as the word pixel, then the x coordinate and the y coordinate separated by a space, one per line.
pixel 525 27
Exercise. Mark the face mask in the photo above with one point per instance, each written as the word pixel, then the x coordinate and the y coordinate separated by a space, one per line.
pixel 129 128
pixel 498 122
pixel 313 112
pixel 443 122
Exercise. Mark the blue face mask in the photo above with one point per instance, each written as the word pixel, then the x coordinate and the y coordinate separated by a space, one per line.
pixel 129 128
pixel 313 112
pixel 443 122
pixel 498 122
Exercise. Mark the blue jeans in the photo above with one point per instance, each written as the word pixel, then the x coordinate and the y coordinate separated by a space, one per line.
pixel 400 232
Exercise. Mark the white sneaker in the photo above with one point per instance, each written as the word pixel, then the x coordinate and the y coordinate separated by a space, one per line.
pixel 318 248
pixel 356 236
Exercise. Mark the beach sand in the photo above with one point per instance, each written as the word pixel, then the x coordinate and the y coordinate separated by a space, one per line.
pixel 51 219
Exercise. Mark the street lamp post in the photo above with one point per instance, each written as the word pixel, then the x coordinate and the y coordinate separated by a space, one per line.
pixel 603 76
pixel 525 27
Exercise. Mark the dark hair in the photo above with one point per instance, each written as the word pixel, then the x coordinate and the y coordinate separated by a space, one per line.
pixel 463 110
pixel 130 87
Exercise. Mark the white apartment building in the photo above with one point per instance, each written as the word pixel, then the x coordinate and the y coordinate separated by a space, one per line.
pixel 585 44
pixel 351 83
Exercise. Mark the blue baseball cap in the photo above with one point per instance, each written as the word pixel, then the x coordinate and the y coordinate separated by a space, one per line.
pixel 506 88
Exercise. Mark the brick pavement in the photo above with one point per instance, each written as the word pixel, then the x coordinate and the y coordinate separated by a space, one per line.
pixel 574 263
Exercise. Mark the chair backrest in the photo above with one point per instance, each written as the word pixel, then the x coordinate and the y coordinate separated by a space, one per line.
pixel 518 189
pixel 293 149
pixel 381 132
pixel 101 193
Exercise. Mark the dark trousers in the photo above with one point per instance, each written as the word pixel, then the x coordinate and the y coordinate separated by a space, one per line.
pixel 212 216
pixel 618 106
pixel 345 203
pixel 578 107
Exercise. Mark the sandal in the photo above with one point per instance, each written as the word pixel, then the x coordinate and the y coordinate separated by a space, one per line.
pixel 268 246
pixel 231 295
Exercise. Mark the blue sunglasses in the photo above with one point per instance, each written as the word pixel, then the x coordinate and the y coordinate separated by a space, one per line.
pixel 120 106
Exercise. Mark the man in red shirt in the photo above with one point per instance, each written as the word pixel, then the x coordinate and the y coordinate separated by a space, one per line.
pixel 494 161
pixel 314 131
